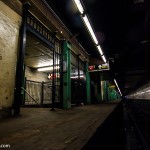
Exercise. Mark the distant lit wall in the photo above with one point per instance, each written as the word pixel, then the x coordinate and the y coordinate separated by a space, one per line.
pixel 34 75
pixel 141 93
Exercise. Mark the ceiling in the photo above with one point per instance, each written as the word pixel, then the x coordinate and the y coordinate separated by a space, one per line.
pixel 37 53
pixel 122 28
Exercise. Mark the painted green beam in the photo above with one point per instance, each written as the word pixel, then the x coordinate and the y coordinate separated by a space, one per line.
pixel 88 86
pixel 99 90
pixel 66 75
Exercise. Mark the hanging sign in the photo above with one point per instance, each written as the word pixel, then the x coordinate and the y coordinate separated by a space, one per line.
pixel 101 67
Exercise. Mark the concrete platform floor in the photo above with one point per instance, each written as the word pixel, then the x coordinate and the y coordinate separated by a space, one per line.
pixel 42 129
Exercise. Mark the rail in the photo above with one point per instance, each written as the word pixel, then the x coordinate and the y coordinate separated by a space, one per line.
pixel 139 132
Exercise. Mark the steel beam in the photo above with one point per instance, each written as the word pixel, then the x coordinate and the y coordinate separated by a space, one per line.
pixel 88 85
pixel 20 62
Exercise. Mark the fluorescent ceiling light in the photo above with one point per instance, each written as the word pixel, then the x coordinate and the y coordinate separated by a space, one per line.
pixel 117 86
pixel 76 72
pixel 76 77
pixel 100 50
pixel 47 68
pixel 86 21
pixel 104 59
pixel 88 25
pixel 45 63
pixel 79 6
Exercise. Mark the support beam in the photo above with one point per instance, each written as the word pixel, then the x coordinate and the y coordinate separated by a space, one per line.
pixel 88 86
pixel 42 94
pixel 24 86
pixel 53 77
pixel 99 90
pixel 105 90
pixel 66 75
pixel 20 62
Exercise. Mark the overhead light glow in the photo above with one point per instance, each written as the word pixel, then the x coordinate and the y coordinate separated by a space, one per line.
pixel 86 21
pixel 104 59
pixel 89 27
pixel 47 68
pixel 117 86
pixel 74 77
pixel 79 6
pixel 45 64
pixel 100 50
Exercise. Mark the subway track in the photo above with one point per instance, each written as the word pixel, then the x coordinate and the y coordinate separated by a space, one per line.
pixel 110 135
pixel 126 128
pixel 137 124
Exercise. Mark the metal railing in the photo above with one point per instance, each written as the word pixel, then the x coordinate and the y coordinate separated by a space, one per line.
pixel 39 27
pixel 31 97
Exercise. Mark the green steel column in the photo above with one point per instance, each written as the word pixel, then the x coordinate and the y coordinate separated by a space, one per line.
pixel 88 86
pixel 109 93
pixel 66 75
pixel 114 96
pixel 102 90
pixel 105 90
pixel 99 90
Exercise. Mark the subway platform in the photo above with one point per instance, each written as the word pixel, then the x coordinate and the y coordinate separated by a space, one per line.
pixel 72 129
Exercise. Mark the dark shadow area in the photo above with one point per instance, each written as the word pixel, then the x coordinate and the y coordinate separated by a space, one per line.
pixel 110 135
pixel 78 90
pixel 140 111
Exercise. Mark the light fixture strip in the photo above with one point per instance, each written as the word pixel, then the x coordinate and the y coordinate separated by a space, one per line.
pixel 79 6
pixel 77 77
pixel 104 59
pixel 117 86
pixel 47 68
pixel 86 21
pixel 88 25
pixel 100 50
